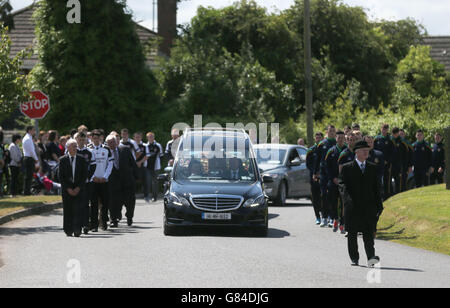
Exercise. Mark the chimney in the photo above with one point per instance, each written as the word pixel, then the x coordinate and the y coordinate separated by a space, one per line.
pixel 167 24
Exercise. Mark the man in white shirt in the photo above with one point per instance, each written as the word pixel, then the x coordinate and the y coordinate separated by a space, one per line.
pixel 104 162
pixel 154 152
pixel 30 158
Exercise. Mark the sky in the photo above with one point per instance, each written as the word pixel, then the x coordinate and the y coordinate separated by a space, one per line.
pixel 433 14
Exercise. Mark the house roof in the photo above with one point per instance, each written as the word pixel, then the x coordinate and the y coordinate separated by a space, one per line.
pixel 440 49
pixel 23 36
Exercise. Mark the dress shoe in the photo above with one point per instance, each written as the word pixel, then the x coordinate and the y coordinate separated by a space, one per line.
pixel 114 224
pixel 85 230
pixel 129 222
pixel 77 234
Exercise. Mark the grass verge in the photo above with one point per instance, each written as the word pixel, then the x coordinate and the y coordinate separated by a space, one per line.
pixel 418 218
pixel 11 205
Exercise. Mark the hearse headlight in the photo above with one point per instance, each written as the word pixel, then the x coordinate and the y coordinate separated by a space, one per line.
pixel 178 200
pixel 253 202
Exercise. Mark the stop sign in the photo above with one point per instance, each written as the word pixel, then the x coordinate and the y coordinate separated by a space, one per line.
pixel 37 107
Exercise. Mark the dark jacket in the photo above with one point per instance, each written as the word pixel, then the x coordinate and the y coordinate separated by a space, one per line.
pixel 386 146
pixel 311 158
pixel 331 159
pixel 322 149
pixel 422 156
pixel 377 158
pixel 438 157
pixel 346 156
pixel 400 156
pixel 65 173
pixel 125 176
pixel 361 196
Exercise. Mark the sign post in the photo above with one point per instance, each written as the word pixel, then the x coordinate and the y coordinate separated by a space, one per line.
pixel 37 108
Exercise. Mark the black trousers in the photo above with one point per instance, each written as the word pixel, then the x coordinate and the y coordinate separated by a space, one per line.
pixel 99 192
pixel 325 208
pixel 332 200
pixel 124 197
pixel 14 187
pixel 151 183
pixel 396 176
pixel 5 174
pixel 387 181
pixel 369 245
pixel 436 178
pixel 421 178
pixel 87 193
pixel 404 180
pixel 28 176
pixel 316 198
pixel 73 213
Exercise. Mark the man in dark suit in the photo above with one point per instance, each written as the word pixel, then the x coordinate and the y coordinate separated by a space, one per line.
pixel 236 170
pixel 121 182
pixel 73 175
pixel 362 202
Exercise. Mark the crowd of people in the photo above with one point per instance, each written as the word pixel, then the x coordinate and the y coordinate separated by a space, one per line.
pixel 396 158
pixel 98 173
pixel 351 174
pixel 95 173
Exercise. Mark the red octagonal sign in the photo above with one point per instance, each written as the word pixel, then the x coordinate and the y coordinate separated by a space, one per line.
pixel 37 107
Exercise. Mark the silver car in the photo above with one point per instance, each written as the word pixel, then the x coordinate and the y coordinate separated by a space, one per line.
pixel 286 165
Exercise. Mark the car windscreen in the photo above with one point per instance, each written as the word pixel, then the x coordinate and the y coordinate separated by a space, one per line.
pixel 270 156
pixel 215 159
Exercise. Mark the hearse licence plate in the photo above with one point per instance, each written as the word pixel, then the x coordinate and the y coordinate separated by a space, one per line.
pixel 216 216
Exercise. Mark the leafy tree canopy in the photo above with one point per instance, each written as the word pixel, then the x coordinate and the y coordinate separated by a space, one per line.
pixel 94 72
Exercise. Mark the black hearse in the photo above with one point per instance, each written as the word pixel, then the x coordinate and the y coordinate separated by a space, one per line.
pixel 215 181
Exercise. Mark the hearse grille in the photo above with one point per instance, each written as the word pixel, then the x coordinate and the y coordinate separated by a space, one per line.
pixel 216 203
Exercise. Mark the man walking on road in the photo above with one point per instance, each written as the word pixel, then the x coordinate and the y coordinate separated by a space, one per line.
pixel 311 157
pixel 73 170
pixel 121 182
pixel 362 203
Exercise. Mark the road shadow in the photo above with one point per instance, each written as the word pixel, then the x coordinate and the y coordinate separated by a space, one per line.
pixel 394 269
pixel 272 216
pixel 110 233
pixel 226 232
pixel 397 235
pixel 6 231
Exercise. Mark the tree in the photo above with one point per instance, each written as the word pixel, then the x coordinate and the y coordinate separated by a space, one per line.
pixel 422 72
pixel 221 86
pixel 94 72
pixel 5 14
pixel 13 85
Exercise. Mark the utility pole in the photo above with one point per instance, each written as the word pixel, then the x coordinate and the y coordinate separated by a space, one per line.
pixel 308 78
pixel 154 15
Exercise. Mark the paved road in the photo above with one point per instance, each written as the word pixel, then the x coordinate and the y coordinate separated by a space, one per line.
pixel 35 252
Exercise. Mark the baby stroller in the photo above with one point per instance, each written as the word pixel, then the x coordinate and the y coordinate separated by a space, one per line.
pixel 43 185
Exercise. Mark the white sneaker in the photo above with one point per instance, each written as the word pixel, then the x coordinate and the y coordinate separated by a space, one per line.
pixel 373 261
pixel 324 222
pixel 330 223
